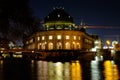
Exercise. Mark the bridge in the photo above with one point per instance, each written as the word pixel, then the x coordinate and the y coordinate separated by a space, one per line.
pixel 47 54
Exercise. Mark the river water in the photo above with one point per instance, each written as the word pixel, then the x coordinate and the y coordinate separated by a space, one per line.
pixel 18 69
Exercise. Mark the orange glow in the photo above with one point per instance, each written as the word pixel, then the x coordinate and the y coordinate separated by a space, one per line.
pixel 110 71
pixel 76 71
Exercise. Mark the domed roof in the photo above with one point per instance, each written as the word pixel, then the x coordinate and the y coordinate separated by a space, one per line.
pixel 58 14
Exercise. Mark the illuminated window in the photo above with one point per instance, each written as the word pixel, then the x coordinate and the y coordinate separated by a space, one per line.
pixel 38 38
pixel 50 37
pixel 79 38
pixel 74 37
pixel 67 37
pixel 67 45
pixel 74 45
pixel 78 46
pixel 50 46
pixel 59 45
pixel 43 37
pixel 39 45
pixel 43 46
pixel 58 37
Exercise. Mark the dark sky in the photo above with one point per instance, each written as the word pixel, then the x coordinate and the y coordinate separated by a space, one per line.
pixel 92 12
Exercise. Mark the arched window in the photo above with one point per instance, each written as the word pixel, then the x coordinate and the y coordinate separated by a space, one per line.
pixel 43 46
pixel 50 46
pixel 59 45
pixel 74 45
pixel 78 46
pixel 39 45
pixel 67 45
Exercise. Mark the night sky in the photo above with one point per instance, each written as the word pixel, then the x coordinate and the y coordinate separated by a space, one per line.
pixel 92 12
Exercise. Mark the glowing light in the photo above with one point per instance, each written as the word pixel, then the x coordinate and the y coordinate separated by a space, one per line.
pixel 95 70
pixel 38 38
pixel 76 71
pixel 58 37
pixel 50 37
pixel 110 71
pixel 67 37
pixel 108 42
pixel 74 37
pixel 43 37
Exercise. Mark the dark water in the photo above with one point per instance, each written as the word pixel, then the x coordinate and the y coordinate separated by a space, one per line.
pixel 48 70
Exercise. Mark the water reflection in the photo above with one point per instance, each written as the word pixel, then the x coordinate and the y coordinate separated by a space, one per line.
pixel 110 70
pixel 76 71
pixel 49 70
pixel 1 70
pixel 58 70
pixel 95 71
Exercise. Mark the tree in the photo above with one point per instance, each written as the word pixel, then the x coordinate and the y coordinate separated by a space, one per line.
pixel 16 18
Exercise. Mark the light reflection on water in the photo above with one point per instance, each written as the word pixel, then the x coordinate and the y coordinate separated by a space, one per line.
pixel 49 70
pixel 110 70
pixel 58 70
pixel 106 70
pixel 95 71
pixel 1 70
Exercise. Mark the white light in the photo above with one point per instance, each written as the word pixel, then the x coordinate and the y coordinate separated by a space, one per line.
pixel 43 37
pixel 67 37
pixel 93 50
pixel 58 15
pixel 50 37
pixel 58 36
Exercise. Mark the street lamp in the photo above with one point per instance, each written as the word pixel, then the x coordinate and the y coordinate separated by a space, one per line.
pixel 108 43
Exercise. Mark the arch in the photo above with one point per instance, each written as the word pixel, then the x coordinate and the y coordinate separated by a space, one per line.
pixel 78 46
pixel 50 46
pixel 39 45
pixel 74 45
pixel 59 45
pixel 67 45
pixel 43 46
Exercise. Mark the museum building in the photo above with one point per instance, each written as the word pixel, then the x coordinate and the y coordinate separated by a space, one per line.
pixel 59 32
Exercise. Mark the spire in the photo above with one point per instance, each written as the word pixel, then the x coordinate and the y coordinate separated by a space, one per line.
pixel 82 25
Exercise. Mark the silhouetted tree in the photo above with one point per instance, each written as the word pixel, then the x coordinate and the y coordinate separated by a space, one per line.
pixel 16 19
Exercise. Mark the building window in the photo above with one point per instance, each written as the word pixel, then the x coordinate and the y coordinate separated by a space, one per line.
pixel 67 37
pixel 43 46
pixel 38 38
pixel 59 45
pixel 50 37
pixel 74 45
pixel 39 45
pixel 43 37
pixel 50 46
pixel 78 46
pixel 67 45
pixel 74 37
pixel 58 37
pixel 79 37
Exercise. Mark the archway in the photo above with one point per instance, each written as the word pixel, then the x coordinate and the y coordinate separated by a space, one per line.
pixel 50 46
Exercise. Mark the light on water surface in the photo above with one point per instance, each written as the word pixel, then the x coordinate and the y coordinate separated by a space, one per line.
pixel 58 70
pixel 110 70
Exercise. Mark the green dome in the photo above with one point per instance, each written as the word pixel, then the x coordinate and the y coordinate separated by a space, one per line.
pixel 58 14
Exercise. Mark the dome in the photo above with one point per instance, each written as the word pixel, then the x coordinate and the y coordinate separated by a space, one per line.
pixel 58 14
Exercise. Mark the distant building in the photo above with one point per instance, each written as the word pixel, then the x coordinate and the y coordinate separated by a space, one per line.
pixel 59 32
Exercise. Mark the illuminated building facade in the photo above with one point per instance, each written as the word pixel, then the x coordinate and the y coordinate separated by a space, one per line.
pixel 59 33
